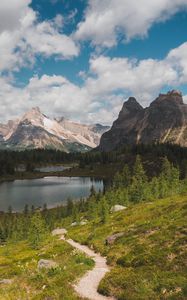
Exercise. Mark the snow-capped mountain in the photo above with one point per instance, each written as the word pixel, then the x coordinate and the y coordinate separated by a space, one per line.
pixel 36 130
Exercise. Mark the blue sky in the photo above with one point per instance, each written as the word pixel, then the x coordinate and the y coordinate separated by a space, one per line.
pixel 82 59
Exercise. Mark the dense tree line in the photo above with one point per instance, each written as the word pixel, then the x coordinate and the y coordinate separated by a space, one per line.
pixel 11 160
pixel 152 155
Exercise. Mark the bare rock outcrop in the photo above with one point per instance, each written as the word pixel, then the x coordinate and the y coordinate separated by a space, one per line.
pixel 165 120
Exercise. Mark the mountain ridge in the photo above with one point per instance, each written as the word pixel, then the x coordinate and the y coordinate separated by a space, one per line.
pixel 165 120
pixel 36 130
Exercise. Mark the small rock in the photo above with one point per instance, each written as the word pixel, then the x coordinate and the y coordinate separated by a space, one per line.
pixel 47 264
pixel 83 222
pixel 111 239
pixel 6 281
pixel 117 207
pixel 164 291
pixel 59 231
pixel 74 224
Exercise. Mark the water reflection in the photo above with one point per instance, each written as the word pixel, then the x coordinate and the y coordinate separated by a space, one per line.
pixel 50 190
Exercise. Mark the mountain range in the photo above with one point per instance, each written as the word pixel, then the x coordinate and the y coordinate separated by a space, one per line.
pixel 36 130
pixel 164 121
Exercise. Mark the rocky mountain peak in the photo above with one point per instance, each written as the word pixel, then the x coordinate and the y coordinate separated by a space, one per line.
pixel 34 111
pixel 132 105
pixel 175 92
pixel 33 116
pixel 165 120
pixel 36 130
pixel 170 98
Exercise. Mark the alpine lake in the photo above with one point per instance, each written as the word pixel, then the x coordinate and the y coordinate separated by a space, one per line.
pixel 50 190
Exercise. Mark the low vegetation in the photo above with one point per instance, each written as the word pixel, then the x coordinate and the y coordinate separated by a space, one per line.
pixel 19 263
pixel 149 260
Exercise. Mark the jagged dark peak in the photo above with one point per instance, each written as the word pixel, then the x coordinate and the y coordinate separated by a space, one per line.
pixel 132 105
pixel 171 97
pixel 175 92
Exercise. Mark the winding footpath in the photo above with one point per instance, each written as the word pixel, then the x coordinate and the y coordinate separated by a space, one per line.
pixel 88 284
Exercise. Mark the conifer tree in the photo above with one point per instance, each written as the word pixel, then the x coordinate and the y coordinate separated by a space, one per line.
pixel 37 230
pixel 104 210
pixel 139 182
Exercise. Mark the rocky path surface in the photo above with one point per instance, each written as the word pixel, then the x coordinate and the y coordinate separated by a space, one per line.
pixel 88 284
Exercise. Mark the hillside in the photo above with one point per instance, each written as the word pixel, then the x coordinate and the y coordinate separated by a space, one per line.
pixel 164 121
pixel 149 260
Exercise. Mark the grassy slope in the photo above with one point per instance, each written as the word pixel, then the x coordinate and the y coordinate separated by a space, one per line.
pixel 19 262
pixel 149 261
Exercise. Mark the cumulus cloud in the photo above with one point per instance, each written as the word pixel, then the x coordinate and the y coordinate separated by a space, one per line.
pixel 178 58
pixel 140 78
pixel 23 36
pixel 107 84
pixel 106 20
pixel 185 99
pixel 11 12
pixel 56 96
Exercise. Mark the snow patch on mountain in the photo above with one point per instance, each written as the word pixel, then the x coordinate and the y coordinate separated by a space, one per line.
pixel 36 130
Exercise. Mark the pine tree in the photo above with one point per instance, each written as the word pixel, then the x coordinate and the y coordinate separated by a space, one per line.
pixel 138 188
pixel 138 171
pixel 75 214
pixel 26 209
pixel 126 175
pixel 104 210
pixel 37 230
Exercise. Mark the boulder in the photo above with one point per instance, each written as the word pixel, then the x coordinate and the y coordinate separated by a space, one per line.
pixel 6 281
pixel 117 207
pixel 111 239
pixel 59 231
pixel 47 264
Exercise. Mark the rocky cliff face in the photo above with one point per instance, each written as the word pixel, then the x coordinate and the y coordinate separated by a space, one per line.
pixel 36 130
pixel 165 120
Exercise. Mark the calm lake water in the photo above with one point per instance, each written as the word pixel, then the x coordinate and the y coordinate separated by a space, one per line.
pixel 50 190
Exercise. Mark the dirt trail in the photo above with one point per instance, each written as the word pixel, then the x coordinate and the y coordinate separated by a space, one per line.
pixel 88 284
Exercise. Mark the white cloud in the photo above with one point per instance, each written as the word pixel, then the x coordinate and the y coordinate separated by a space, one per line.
pixel 107 84
pixel 23 36
pixel 106 20
pixel 56 96
pixel 178 58
pixel 11 12
pixel 185 99
pixel 144 79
